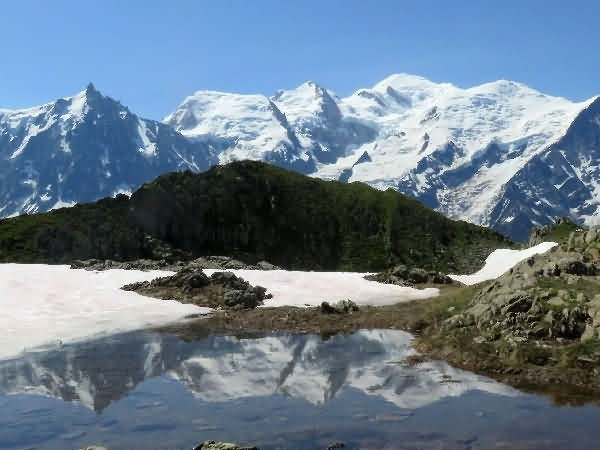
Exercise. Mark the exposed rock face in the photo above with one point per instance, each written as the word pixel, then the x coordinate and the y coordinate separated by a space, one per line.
pixel 192 285
pixel 205 262
pixel 403 276
pixel 551 297
pixel 83 148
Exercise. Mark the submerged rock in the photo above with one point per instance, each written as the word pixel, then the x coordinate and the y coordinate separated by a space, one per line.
pixel 212 445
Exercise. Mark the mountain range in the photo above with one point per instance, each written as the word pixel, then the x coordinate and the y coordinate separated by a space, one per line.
pixel 499 154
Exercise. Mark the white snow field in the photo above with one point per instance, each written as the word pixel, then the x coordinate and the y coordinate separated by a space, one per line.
pixel 44 306
pixel 500 261
pixel 293 288
pixel 50 305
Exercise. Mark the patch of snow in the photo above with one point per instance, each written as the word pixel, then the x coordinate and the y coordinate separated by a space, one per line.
pixel 123 189
pixel 62 204
pixel 500 261
pixel 147 147
pixel 296 288
pixel 52 305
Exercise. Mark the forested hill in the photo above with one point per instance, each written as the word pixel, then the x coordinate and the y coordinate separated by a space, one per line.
pixel 254 211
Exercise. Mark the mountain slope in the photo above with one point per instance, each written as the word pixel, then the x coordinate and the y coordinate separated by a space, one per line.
pixel 454 149
pixel 83 148
pixel 255 211
pixel 561 181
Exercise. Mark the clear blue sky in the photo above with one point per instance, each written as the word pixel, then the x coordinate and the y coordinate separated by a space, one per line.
pixel 151 54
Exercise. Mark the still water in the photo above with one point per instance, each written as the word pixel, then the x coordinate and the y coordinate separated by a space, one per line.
pixel 147 390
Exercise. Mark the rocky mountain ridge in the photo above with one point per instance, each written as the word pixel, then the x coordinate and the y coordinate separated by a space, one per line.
pixel 83 148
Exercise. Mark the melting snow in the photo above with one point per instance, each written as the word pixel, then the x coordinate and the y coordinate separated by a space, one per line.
pixel 294 288
pixel 501 261
pixel 51 305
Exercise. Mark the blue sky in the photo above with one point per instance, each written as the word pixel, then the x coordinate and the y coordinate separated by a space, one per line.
pixel 151 54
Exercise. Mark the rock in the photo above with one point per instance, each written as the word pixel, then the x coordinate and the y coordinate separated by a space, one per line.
pixel 204 262
pixel 192 285
pixel 326 308
pixel 212 445
pixel 556 301
pixel 264 265
pixel 341 307
pixel 589 333
pixel 403 276
pixel 336 446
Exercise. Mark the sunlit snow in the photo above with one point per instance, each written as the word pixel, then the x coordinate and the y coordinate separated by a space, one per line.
pixel 500 261
pixel 50 305
pixel 293 288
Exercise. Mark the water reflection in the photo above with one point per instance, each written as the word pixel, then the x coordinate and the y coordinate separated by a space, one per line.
pixel 226 368
pixel 149 390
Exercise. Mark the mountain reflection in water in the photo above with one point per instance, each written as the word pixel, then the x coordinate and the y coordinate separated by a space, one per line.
pixel 150 390
pixel 224 368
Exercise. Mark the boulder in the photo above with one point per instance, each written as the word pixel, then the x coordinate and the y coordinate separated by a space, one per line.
pixel 404 276
pixel 341 307
pixel 192 285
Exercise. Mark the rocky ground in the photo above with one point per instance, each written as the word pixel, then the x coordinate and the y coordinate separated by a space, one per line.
pixel 172 265
pixel 192 285
pixel 550 298
pixel 404 276
pixel 538 325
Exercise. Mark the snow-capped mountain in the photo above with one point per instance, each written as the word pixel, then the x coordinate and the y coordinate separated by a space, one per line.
pixel 225 368
pixel 474 154
pixel 83 148
pixel 500 154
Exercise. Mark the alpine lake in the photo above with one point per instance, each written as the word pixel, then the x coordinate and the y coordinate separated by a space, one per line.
pixel 157 390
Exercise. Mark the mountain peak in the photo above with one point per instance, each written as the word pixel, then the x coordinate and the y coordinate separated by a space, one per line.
pixel 91 93
pixel 400 80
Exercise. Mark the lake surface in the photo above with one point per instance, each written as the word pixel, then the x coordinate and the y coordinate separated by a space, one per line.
pixel 149 390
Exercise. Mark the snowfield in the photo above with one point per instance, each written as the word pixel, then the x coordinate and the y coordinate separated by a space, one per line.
pixel 52 305
pixel 46 306
pixel 500 261
pixel 290 288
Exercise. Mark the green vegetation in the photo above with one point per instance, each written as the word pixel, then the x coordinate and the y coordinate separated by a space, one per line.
pixel 557 232
pixel 255 211
pixel 94 230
